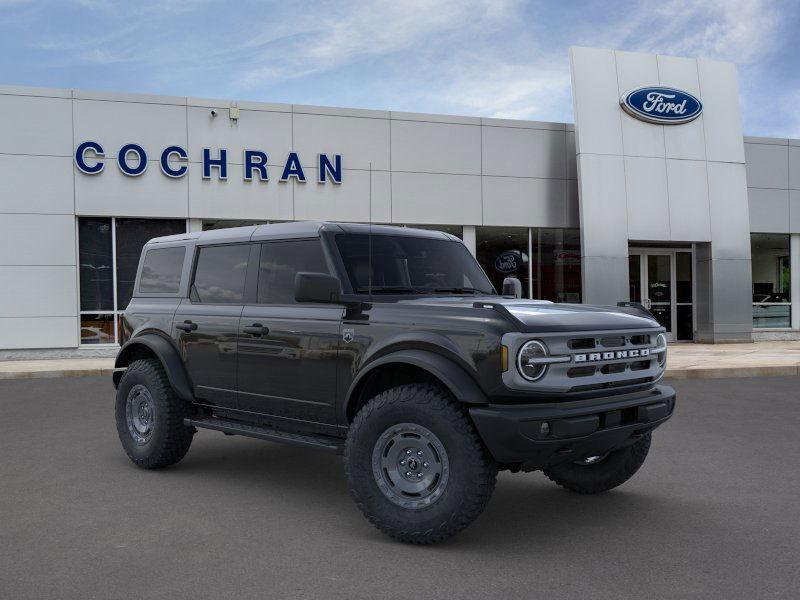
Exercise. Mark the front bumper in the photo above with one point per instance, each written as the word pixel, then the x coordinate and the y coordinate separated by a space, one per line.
pixel 538 436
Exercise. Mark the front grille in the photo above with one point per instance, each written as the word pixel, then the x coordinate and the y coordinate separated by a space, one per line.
pixel 613 342
pixel 612 384
pixel 581 371
pixel 613 368
pixel 581 344
pixel 602 360
pixel 616 341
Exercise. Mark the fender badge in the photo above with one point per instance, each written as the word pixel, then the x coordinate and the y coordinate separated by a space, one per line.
pixel 348 335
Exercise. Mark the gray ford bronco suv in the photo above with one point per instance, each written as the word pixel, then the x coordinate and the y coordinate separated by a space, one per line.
pixel 390 346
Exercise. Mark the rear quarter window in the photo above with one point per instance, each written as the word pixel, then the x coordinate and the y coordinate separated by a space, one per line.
pixel 161 270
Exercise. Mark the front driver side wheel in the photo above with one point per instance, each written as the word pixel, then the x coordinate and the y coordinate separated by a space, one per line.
pixel 416 466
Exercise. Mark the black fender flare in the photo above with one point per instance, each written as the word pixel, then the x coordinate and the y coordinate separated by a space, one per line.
pixel 453 376
pixel 168 355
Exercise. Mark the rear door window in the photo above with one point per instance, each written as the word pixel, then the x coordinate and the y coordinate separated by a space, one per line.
pixel 161 270
pixel 220 274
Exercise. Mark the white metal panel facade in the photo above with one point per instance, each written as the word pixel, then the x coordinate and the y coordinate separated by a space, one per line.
pixel 636 181
pixel 426 169
pixel 672 183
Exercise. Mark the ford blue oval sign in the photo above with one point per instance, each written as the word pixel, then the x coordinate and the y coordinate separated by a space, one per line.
pixel 663 105
pixel 507 262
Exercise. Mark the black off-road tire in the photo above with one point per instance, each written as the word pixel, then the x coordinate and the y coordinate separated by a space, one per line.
pixel 613 470
pixel 169 439
pixel 471 472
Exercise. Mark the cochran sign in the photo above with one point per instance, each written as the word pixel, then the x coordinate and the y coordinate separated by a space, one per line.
pixel 663 105
pixel 132 161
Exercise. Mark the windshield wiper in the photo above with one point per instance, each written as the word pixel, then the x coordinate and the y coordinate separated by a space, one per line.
pixel 387 289
pixel 460 290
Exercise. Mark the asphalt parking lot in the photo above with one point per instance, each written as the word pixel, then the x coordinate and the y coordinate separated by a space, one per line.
pixel 714 513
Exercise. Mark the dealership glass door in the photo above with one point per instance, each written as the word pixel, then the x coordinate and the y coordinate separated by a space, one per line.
pixel 661 280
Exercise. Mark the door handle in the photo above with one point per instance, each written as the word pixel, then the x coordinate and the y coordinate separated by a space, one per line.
pixel 186 326
pixel 256 329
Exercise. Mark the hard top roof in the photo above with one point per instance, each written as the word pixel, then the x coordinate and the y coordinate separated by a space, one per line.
pixel 295 229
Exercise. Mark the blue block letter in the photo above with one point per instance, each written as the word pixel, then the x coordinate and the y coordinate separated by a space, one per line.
pixel 326 168
pixel 122 160
pixel 220 163
pixel 166 168
pixel 80 158
pixel 255 160
pixel 293 168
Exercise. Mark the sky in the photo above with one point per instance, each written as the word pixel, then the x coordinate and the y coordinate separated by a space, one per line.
pixel 498 58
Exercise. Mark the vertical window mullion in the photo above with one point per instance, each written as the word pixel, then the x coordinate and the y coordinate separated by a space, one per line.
pixel 794 281
pixel 114 272
pixel 539 264
pixel 530 262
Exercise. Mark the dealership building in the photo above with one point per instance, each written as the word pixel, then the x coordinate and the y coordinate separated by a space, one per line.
pixel 653 195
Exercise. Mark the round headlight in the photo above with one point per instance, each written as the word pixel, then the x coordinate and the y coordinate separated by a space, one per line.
pixel 528 360
pixel 661 348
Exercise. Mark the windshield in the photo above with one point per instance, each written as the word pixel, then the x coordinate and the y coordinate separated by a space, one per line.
pixel 410 265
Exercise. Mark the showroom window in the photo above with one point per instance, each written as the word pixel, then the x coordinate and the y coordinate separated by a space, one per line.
pixel 772 303
pixel 546 260
pixel 109 250
pixel 556 264
pixel 503 252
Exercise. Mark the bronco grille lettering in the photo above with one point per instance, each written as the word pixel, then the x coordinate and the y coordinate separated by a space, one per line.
pixel 618 354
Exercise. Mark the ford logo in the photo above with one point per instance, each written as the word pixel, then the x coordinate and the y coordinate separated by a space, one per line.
pixel 507 262
pixel 663 105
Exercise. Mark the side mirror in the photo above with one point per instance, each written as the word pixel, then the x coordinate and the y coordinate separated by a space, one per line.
pixel 512 287
pixel 317 287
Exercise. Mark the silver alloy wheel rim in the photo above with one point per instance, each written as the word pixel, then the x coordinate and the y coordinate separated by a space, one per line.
pixel 139 413
pixel 410 465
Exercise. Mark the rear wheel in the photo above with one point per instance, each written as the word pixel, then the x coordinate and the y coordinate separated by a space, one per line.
pixel 416 467
pixel 150 416
pixel 601 472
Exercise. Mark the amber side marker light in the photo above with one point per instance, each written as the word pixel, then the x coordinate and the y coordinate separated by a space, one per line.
pixel 504 358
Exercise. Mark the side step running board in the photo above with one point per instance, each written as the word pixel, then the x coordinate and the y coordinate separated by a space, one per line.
pixel 320 442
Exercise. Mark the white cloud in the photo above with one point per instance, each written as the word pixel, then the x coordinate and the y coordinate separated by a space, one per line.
pixel 360 30
pixel 744 31
pixel 504 58
pixel 738 30
pixel 485 58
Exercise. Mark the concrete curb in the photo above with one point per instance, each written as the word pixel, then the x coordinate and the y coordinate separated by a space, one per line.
pixel 55 373
pixel 733 372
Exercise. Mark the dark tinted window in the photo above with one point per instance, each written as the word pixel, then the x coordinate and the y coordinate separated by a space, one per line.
pixel 132 235
pixel 96 264
pixel 557 264
pixel 503 252
pixel 280 262
pixel 161 271
pixel 405 264
pixel 220 274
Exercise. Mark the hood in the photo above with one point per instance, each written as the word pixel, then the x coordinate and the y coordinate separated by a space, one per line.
pixel 542 316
